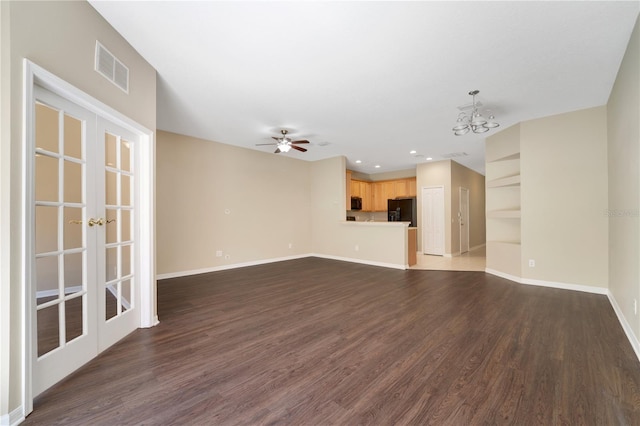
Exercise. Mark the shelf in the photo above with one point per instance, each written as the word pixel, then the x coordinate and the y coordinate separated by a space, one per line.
pixel 515 156
pixel 504 214
pixel 507 181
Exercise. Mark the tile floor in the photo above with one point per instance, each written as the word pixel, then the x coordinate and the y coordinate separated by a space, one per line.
pixel 474 260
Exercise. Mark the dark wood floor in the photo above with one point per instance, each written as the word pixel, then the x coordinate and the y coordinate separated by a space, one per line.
pixel 319 342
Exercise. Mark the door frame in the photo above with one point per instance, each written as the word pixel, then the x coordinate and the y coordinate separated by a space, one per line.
pixel 34 74
pixel 463 219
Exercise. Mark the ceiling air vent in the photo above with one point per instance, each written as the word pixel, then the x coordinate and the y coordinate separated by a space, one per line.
pixel 454 155
pixel 111 68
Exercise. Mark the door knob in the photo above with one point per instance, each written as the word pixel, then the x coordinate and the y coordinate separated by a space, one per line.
pixel 99 222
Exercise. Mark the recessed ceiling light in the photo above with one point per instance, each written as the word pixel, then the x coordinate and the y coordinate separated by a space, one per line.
pixel 377 166
pixel 429 158
pixel 358 161
pixel 413 151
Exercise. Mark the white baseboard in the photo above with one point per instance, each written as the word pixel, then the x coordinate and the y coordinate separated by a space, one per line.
pixel 633 339
pixel 13 418
pixel 565 286
pixel 277 259
pixel 225 267
pixel 503 275
pixel 477 247
pixel 550 284
pixel 361 261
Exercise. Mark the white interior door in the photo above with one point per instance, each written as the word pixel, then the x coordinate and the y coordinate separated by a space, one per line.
pixel 63 262
pixel 464 220
pixel 83 276
pixel 433 231
pixel 118 296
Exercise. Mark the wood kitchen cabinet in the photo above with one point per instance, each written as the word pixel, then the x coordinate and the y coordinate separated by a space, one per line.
pixel 375 194
pixel 348 190
pixel 363 190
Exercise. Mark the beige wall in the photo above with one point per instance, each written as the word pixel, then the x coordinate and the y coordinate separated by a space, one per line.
pixel 382 244
pixel 463 177
pixel 266 196
pixel 623 117
pixel 563 165
pixel 452 176
pixel 273 200
pixel 60 37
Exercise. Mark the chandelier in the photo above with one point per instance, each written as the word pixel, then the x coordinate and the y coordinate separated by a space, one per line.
pixel 474 122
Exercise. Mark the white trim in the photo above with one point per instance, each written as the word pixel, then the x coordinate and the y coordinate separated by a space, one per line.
pixel 54 292
pixel 565 286
pixel 633 339
pixel 13 418
pixel 550 284
pixel 477 247
pixel 361 261
pixel 273 260
pixel 503 275
pixel 226 267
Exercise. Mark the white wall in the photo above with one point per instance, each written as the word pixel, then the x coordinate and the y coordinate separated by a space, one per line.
pixel 60 37
pixel 623 116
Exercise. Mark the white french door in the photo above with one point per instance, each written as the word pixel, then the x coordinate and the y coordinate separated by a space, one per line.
pixel 83 270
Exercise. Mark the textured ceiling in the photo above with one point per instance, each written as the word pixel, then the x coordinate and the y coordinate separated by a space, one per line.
pixel 371 80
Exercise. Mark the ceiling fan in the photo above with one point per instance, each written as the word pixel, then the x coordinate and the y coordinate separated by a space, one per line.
pixel 284 143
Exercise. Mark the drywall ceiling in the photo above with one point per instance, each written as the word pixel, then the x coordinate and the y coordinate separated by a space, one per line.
pixel 371 80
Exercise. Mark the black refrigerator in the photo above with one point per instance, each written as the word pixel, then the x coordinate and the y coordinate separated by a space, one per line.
pixel 402 210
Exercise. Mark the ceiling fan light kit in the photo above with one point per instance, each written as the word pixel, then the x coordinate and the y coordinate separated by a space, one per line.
pixel 284 143
pixel 474 121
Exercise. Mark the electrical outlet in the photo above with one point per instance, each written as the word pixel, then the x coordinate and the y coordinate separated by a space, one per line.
pixel 227 257
pixel 532 263
pixel 635 306
pixel 290 245
pixel 218 253
pixel 357 248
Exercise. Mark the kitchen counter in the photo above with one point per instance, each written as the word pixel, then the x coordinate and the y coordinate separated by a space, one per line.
pixel 411 241
pixel 375 223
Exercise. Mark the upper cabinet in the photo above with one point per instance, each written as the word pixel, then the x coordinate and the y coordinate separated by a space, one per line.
pixel 375 194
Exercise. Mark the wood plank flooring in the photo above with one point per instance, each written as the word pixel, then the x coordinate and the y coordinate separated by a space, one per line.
pixel 321 342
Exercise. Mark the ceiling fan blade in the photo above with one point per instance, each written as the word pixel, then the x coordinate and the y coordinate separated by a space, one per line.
pixel 276 138
pixel 262 144
pixel 298 148
pixel 301 141
pixel 277 151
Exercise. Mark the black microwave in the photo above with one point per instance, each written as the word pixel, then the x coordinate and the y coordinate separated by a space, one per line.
pixel 356 203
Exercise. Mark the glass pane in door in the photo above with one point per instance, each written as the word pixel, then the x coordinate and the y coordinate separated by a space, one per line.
pixel 73 318
pixel 60 228
pixel 119 181
pixel 48 329
pixel 46 278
